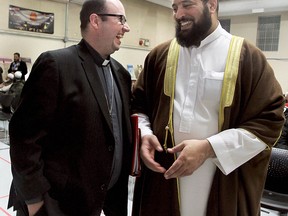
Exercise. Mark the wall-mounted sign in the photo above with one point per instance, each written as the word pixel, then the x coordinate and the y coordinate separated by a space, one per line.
pixel 30 20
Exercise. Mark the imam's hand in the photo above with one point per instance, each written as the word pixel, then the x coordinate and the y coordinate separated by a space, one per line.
pixel 192 154
pixel 34 208
pixel 149 145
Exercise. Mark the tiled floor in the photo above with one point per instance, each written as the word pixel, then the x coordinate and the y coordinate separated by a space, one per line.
pixel 5 176
pixel 5 181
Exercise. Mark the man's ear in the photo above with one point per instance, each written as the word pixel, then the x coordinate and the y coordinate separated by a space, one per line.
pixel 212 4
pixel 94 20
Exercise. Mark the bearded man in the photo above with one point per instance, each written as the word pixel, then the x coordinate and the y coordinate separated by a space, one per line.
pixel 206 129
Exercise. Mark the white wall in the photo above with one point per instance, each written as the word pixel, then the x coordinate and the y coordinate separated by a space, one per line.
pixel 26 43
pixel 146 20
pixel 246 26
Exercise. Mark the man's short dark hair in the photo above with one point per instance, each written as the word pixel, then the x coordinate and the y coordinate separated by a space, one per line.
pixel 16 53
pixel 206 1
pixel 89 7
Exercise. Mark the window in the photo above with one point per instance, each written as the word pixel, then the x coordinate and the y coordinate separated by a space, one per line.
pixel 268 33
pixel 225 23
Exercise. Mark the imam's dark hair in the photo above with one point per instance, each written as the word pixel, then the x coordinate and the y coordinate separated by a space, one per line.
pixel 16 53
pixel 206 1
pixel 89 7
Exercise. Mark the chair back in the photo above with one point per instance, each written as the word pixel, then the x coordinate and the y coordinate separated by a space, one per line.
pixel 6 99
pixel 277 176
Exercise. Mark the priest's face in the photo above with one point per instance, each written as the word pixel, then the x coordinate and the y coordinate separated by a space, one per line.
pixel 193 21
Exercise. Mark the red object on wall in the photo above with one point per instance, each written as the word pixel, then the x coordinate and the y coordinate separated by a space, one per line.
pixel 33 16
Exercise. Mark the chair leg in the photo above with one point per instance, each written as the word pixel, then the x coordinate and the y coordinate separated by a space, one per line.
pixel 3 126
pixel 5 131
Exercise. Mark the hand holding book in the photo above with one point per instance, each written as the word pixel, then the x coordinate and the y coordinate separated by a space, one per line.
pixel 136 160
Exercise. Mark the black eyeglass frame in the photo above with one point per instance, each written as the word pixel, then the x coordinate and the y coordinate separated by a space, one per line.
pixel 122 18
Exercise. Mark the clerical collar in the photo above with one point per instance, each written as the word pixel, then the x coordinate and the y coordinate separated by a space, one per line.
pixel 97 57
pixel 105 63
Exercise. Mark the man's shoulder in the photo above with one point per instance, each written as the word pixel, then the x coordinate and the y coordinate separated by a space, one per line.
pixel 22 62
pixel 251 48
pixel 164 45
pixel 66 54
pixel 66 50
pixel 161 49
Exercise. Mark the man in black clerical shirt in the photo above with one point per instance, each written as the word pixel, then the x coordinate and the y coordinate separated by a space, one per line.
pixel 70 136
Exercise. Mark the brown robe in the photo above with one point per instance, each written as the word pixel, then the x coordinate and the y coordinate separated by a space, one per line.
pixel 257 107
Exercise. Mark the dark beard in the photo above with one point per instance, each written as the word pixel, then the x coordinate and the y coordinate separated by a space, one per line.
pixel 194 35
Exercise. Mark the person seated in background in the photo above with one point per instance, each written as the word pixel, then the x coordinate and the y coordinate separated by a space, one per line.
pixel 15 90
pixel 18 65
pixel 5 86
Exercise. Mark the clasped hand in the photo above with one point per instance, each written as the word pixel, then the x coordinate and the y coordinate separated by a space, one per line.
pixel 191 154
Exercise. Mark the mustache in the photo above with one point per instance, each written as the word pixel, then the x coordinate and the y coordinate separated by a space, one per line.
pixel 184 19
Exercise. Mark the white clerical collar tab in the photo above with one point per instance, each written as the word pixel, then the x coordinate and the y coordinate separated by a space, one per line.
pixel 105 62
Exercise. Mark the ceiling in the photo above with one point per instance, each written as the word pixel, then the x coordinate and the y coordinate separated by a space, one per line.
pixel 241 7
pixel 228 7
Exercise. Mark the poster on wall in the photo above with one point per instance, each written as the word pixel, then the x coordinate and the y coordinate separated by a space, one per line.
pixel 30 20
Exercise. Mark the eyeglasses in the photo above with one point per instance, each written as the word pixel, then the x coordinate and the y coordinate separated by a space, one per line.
pixel 122 18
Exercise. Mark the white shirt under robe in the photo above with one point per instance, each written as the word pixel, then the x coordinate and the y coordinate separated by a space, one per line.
pixel 197 96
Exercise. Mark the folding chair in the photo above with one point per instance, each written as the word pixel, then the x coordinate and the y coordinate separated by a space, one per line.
pixel 6 101
pixel 275 195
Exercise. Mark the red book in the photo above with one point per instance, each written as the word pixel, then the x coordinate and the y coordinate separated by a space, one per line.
pixel 136 160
